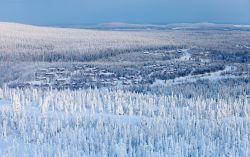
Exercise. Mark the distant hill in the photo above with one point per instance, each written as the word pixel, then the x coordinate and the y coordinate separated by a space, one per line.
pixel 178 26
pixel 33 43
pixel 19 42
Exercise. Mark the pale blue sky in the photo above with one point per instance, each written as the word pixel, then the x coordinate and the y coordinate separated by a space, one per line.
pixel 54 12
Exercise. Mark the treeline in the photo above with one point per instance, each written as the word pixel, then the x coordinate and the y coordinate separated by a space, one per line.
pixel 77 56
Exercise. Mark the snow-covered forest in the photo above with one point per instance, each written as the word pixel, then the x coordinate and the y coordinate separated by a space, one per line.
pixel 32 43
pixel 98 122
pixel 96 92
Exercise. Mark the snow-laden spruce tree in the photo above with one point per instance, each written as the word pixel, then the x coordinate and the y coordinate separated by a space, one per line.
pixel 1 93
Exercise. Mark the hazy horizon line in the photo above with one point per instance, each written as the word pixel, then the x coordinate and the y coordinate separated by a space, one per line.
pixel 119 22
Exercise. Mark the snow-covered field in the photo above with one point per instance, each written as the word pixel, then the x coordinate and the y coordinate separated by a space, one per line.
pixel 116 123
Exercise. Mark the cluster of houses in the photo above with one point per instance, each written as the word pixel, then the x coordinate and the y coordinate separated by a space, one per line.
pixel 81 76
pixel 90 76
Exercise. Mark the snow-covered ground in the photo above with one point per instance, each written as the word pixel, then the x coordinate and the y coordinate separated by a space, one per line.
pixel 5 102
pixel 185 57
